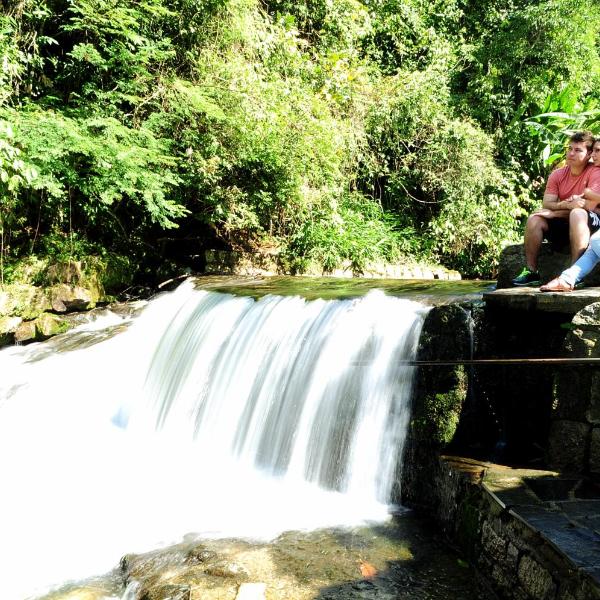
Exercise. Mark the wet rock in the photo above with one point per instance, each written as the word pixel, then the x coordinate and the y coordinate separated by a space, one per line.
pixel 186 571
pixel 200 554
pixel 42 328
pixel 440 392
pixel 167 592
pixel 225 569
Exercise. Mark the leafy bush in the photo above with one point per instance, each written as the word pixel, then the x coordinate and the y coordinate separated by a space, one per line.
pixel 354 230
pixel 335 131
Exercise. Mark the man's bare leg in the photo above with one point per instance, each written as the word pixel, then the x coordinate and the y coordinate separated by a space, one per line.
pixel 534 236
pixel 579 232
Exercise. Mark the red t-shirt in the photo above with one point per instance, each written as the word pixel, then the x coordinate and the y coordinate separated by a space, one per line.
pixel 565 185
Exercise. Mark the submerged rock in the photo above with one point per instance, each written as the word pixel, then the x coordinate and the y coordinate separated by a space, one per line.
pixel 399 560
pixel 183 572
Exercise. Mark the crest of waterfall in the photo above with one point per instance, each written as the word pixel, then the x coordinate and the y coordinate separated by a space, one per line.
pixel 211 413
pixel 309 390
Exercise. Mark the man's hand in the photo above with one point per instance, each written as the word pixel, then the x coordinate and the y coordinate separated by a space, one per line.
pixel 575 201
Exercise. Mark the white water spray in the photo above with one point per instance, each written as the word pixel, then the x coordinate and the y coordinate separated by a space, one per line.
pixel 211 414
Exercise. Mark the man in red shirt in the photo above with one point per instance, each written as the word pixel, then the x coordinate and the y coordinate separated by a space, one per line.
pixel 563 214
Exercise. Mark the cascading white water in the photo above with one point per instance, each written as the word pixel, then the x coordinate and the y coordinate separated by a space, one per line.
pixel 212 414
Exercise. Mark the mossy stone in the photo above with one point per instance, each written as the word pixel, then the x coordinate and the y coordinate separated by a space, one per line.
pixel 47 325
pixel 23 300
pixel 8 326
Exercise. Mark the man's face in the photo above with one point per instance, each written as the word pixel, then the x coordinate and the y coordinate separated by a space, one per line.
pixel 596 154
pixel 577 155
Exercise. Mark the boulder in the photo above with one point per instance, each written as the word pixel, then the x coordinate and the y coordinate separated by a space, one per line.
pixel 23 300
pixel 69 272
pixel 67 298
pixel 47 325
pixel 8 327
pixel 25 332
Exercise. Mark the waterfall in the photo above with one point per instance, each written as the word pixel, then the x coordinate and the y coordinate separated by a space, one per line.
pixel 212 415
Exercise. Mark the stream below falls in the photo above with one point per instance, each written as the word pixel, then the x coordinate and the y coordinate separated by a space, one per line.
pixel 206 421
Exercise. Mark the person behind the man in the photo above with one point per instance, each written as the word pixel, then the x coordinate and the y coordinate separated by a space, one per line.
pixel 564 214
pixel 570 277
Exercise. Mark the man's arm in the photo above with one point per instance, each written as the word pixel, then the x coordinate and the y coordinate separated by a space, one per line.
pixel 561 208
pixel 592 198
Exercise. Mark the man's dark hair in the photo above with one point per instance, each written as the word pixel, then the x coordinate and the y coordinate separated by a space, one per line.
pixel 583 136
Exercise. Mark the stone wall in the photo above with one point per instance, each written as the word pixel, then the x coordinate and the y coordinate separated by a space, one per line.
pixel 440 392
pixel 228 262
pixel 524 545
pixel 574 439
pixel 517 560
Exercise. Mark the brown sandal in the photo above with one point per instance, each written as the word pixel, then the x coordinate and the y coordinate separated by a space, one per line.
pixel 556 285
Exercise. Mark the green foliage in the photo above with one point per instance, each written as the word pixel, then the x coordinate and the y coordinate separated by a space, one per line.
pixel 14 174
pixel 518 51
pixel 561 114
pixel 480 210
pixel 340 132
pixel 92 170
pixel 354 232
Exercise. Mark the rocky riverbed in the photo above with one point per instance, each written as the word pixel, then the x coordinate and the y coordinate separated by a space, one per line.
pixel 401 560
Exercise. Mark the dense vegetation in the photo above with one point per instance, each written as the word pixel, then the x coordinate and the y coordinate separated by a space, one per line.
pixel 332 130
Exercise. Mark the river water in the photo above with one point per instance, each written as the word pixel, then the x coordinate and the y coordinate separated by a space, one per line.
pixel 209 415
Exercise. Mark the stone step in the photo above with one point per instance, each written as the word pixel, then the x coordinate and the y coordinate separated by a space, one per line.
pixel 531 299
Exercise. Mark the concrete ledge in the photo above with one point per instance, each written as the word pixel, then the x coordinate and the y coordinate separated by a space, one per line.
pixel 531 299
